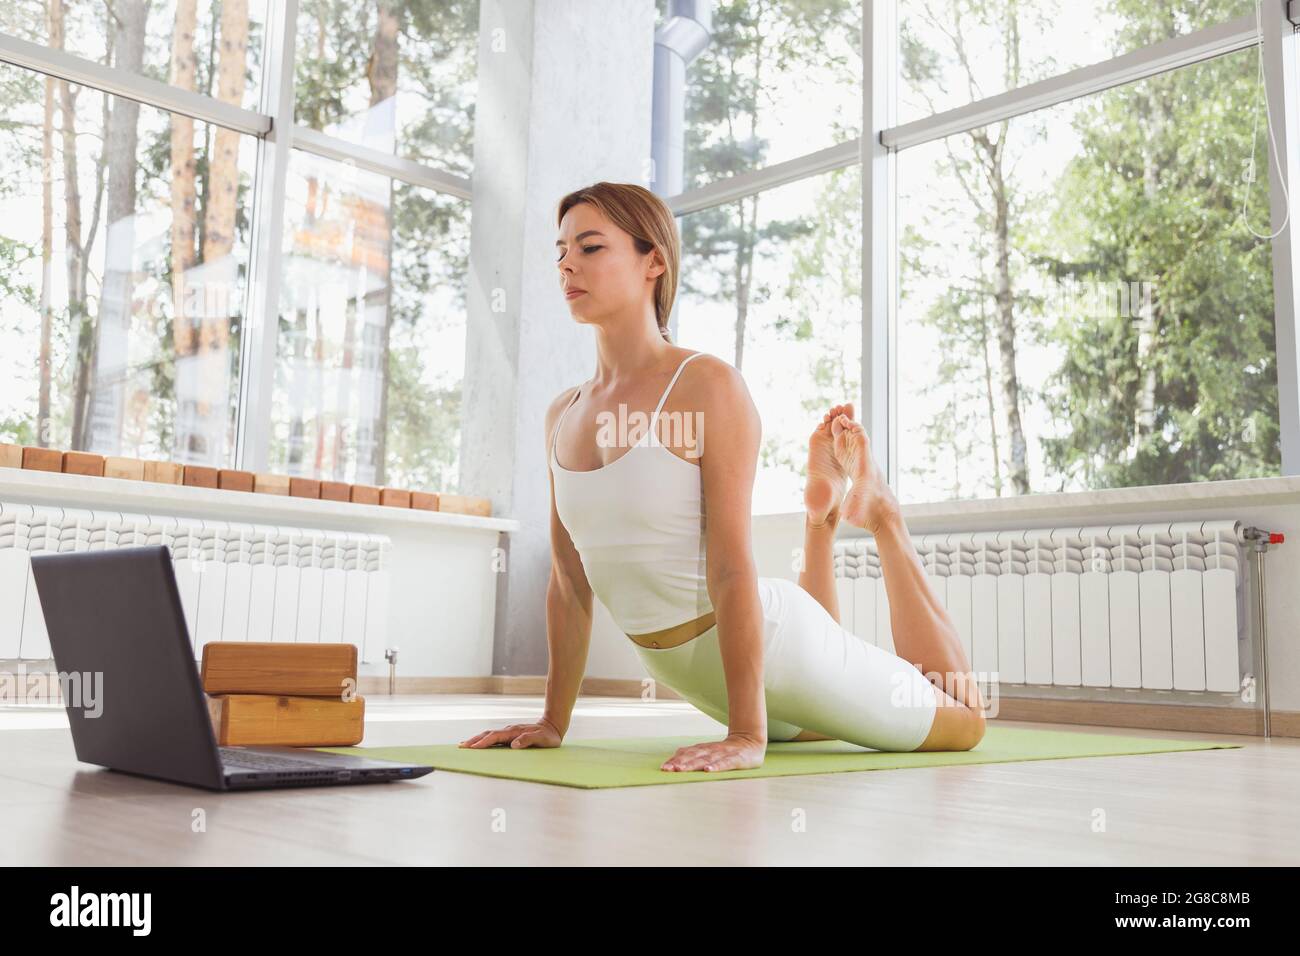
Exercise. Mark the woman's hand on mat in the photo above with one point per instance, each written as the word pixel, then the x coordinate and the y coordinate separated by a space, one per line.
pixel 541 734
pixel 737 752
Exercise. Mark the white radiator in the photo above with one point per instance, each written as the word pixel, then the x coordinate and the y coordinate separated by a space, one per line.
pixel 1155 606
pixel 237 582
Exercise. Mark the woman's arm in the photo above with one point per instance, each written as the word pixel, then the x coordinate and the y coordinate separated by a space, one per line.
pixel 568 637
pixel 568 607
pixel 731 430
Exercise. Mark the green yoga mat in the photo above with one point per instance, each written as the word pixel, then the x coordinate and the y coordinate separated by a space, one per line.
pixel 635 761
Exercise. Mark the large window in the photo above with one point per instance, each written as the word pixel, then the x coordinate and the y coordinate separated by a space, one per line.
pixel 137 201
pixel 1069 279
pixel 124 255
pixel 372 329
pixel 1064 291
pixel 1100 313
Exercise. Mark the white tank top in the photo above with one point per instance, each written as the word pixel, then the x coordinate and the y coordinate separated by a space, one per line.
pixel 638 525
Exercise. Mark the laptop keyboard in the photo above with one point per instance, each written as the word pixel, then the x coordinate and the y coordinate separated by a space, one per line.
pixel 249 760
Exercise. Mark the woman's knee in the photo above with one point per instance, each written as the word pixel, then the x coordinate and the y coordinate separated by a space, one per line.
pixel 955 727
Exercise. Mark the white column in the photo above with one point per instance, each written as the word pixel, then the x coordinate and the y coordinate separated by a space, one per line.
pixel 564 98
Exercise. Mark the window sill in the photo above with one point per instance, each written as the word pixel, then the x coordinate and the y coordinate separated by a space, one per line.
pixel 1083 506
pixel 26 486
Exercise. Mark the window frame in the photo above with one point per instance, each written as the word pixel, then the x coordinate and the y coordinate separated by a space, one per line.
pixel 1278 39
pixel 274 127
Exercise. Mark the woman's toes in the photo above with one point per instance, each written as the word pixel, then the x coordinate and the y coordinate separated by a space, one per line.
pixel 842 423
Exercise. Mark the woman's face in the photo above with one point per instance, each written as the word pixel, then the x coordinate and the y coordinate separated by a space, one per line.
pixel 601 273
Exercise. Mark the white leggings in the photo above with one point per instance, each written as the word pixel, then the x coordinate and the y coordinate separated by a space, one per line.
pixel 816 675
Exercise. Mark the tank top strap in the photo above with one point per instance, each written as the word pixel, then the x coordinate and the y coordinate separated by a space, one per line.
pixel 555 435
pixel 654 419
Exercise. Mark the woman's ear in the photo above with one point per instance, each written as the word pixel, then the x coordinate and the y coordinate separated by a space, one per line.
pixel 657 265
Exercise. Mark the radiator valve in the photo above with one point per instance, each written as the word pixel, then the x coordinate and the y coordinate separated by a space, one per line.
pixel 1263 538
pixel 390 655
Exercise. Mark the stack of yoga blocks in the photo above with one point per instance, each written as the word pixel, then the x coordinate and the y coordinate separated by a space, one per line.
pixel 287 695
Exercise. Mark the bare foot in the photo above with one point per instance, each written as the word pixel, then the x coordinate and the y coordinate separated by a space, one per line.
pixel 827 477
pixel 870 502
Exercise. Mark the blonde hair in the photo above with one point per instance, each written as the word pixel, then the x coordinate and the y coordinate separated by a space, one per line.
pixel 650 223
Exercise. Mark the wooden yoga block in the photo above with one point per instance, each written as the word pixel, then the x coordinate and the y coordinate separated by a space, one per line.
pixel 11 456
pixel 163 472
pixel 234 480
pixel 335 491
pixel 395 498
pixel 131 469
pixel 83 463
pixel 464 504
pixel 304 488
pixel 263 667
pixel 365 494
pixel 42 459
pixel 263 720
pixel 424 500
pixel 200 476
pixel 267 484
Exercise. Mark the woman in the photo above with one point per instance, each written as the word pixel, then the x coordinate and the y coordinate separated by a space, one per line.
pixel 761 655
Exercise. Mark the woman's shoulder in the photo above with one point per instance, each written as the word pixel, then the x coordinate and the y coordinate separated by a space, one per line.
pixel 711 374
pixel 557 407
pixel 561 401
pixel 713 386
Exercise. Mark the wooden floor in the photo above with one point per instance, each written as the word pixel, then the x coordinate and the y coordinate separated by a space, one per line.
pixel 1215 807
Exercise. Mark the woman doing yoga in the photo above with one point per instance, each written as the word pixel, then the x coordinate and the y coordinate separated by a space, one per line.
pixel 764 656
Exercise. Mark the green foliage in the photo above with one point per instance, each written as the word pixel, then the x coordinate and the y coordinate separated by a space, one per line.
pixel 430 260
pixel 1153 194
pixel 726 103
pixel 13 254
pixel 424 425
pixel 18 431
pixel 437 44
pixel 1156 195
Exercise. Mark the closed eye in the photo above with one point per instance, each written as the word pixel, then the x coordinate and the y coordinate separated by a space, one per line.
pixel 587 249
